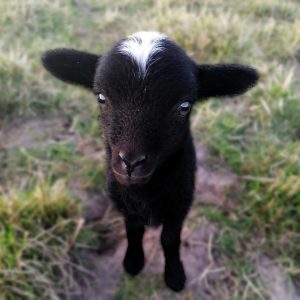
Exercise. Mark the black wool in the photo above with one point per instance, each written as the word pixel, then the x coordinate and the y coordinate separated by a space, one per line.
pixel 146 87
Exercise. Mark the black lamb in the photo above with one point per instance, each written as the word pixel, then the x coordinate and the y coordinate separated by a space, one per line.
pixel 146 86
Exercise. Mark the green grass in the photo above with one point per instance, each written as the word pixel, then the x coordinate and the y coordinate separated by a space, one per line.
pixel 257 135
pixel 139 288
pixel 37 229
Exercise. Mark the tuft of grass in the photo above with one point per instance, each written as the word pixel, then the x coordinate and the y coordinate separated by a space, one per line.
pixel 38 227
pixel 139 288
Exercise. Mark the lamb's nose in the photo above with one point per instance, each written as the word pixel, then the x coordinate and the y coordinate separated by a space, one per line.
pixel 131 162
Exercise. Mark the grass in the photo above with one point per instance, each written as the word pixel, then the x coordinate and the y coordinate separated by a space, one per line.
pixel 139 288
pixel 257 135
pixel 38 227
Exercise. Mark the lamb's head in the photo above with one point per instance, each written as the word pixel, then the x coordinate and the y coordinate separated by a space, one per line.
pixel 146 87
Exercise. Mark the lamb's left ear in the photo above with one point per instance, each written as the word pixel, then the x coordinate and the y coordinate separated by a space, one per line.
pixel 72 66
pixel 225 80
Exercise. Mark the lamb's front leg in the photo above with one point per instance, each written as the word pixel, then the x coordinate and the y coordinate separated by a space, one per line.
pixel 170 240
pixel 134 257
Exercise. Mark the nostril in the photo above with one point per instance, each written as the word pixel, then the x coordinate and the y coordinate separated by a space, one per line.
pixel 122 157
pixel 139 161
pixel 131 162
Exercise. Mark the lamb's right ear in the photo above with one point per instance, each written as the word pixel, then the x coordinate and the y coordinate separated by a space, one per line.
pixel 225 80
pixel 72 66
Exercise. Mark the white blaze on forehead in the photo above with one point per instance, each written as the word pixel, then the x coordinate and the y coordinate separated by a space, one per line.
pixel 141 46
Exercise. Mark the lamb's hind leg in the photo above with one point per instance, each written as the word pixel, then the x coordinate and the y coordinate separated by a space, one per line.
pixel 170 239
pixel 134 258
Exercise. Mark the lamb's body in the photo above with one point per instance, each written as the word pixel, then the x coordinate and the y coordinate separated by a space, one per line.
pixel 165 199
pixel 146 86
pixel 167 194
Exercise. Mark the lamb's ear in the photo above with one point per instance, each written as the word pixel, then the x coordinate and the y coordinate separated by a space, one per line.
pixel 72 66
pixel 225 80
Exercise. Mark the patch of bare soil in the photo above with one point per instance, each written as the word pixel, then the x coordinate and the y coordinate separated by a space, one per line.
pixel 201 269
pixel 213 182
pixel 34 133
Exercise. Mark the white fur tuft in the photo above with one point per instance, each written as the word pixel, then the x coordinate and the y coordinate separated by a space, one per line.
pixel 141 46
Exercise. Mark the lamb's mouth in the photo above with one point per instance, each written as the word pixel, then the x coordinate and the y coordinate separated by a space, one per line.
pixel 125 179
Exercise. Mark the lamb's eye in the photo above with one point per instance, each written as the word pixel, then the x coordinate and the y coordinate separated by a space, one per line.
pixel 101 99
pixel 184 108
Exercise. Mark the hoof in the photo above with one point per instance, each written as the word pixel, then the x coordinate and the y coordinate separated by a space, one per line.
pixel 175 276
pixel 133 261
